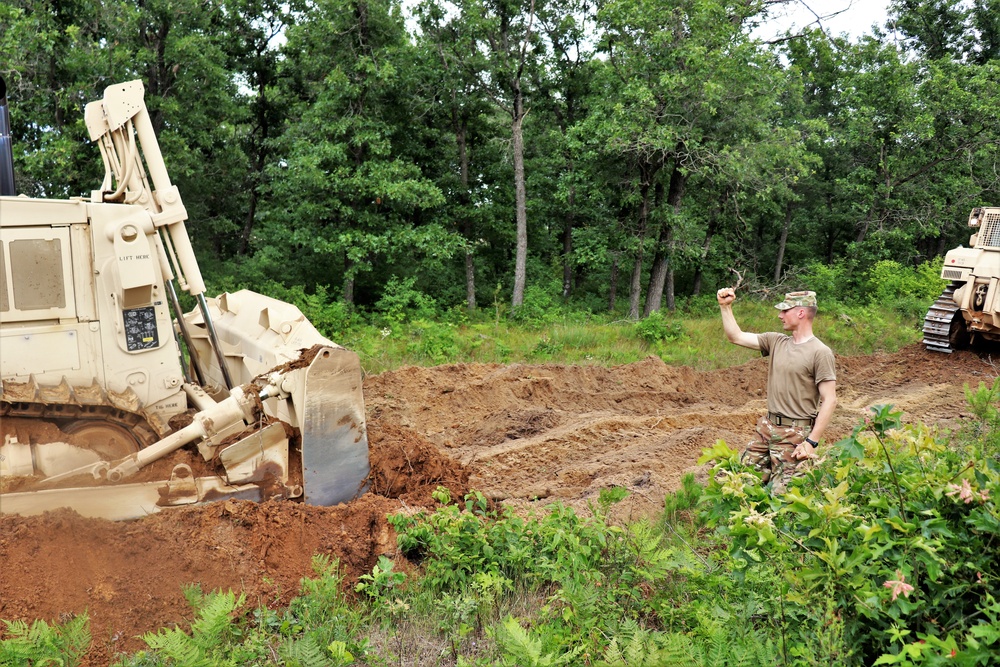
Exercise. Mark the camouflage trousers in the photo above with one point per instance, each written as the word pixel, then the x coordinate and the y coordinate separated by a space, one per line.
pixel 770 453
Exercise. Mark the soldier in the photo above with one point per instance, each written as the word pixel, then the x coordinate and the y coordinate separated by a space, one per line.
pixel 801 388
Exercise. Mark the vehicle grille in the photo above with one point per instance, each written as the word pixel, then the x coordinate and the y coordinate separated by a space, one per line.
pixel 953 274
pixel 989 235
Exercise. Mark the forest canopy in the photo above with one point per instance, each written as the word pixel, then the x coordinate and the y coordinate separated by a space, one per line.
pixel 618 154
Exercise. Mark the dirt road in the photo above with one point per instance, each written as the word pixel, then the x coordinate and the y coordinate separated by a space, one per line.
pixel 522 434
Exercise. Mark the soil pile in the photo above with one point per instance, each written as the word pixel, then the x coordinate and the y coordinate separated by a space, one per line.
pixel 523 434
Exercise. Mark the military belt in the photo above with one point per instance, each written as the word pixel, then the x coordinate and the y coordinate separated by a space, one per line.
pixel 782 420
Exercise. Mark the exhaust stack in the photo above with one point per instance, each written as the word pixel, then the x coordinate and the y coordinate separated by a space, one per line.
pixel 6 148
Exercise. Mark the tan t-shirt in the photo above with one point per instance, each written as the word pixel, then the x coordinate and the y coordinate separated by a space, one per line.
pixel 794 372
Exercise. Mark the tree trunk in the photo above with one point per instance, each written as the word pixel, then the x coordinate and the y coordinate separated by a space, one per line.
pixel 663 273
pixel 258 153
pixel 635 286
pixel 460 126
pixel 567 249
pixel 779 260
pixel 520 199
pixel 613 285
pixel 348 282
pixel 863 231
pixel 699 272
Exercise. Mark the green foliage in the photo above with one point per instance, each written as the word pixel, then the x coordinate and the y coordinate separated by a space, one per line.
pixel 826 279
pixel 893 539
pixel 658 327
pixel 381 584
pixel 401 301
pixel 889 281
pixel 320 620
pixel 42 644
pixel 212 632
pixel 683 501
pixel 539 308
pixel 906 290
pixel 520 649
pixel 432 342
pixel 713 645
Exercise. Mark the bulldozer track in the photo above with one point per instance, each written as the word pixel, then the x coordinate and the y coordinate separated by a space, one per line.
pixel 62 415
pixel 938 334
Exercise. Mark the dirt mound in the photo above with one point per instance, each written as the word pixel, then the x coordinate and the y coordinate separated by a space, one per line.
pixel 129 576
pixel 522 434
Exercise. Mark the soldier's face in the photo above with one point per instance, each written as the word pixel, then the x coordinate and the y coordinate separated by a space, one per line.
pixel 789 318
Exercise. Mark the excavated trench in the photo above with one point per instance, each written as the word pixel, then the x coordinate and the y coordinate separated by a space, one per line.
pixel 525 435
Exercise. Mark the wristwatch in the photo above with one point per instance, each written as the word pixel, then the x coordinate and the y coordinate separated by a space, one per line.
pixel 812 442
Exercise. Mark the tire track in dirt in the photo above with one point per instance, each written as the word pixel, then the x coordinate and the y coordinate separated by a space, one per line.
pixel 537 433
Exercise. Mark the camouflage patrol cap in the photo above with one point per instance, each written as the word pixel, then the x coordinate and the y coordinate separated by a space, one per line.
pixel 796 299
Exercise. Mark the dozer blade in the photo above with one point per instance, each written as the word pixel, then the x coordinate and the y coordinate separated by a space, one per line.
pixel 261 336
pixel 334 439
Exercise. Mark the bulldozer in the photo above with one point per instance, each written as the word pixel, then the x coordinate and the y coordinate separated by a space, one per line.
pixel 967 314
pixel 114 401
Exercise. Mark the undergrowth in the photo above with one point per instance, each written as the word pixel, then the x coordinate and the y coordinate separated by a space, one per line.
pixel 879 309
pixel 687 337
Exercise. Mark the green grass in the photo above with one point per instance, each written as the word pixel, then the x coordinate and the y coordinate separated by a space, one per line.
pixel 692 339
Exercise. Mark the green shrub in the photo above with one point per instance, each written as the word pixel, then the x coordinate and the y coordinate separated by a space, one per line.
pixel 539 307
pixel 432 342
pixel 658 327
pixel 892 285
pixel 893 540
pixel 402 302
pixel 546 349
pixel 213 632
pixel 828 281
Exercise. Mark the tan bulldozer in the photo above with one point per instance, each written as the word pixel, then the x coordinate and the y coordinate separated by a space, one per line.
pixel 967 313
pixel 116 403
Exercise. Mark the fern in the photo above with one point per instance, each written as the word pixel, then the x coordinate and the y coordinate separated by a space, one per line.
pixel 209 632
pixel 525 651
pixel 307 652
pixel 43 644
pixel 641 648
pixel 214 622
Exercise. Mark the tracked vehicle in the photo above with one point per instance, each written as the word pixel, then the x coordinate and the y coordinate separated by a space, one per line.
pixel 968 311
pixel 117 404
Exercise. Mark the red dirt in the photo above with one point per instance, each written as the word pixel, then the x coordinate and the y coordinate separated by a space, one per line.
pixel 524 435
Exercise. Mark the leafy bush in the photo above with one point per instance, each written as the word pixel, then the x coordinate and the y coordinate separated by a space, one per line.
pixel 892 285
pixel 402 302
pixel 657 328
pixel 539 307
pixel 826 280
pixel 546 349
pixel 213 632
pixel 889 549
pixel 430 341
